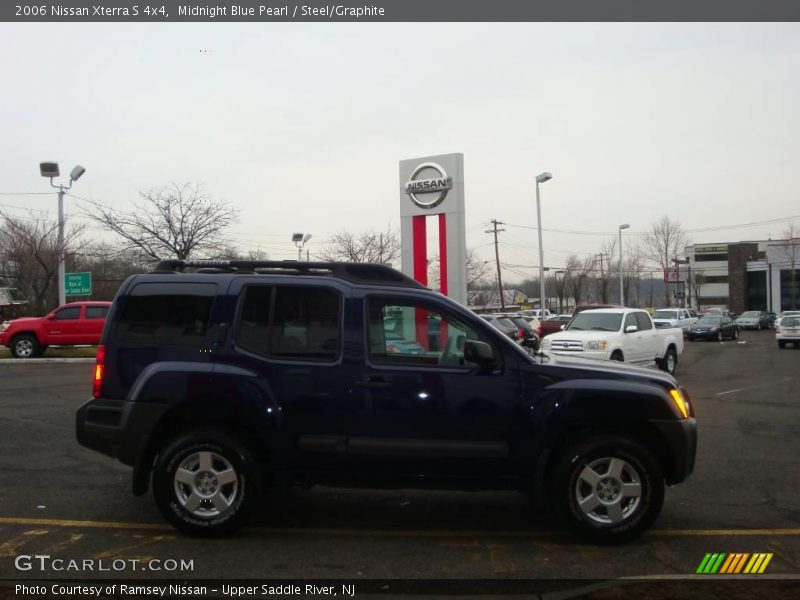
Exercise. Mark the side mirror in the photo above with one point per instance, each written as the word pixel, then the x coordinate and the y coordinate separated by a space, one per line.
pixel 631 329
pixel 479 352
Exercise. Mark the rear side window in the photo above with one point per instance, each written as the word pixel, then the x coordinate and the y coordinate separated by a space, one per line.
pixel 96 312
pixel 291 322
pixel 165 314
pixel 73 312
pixel 643 321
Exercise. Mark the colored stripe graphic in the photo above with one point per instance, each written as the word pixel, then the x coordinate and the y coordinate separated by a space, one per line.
pixel 730 564
pixel 711 563
pixel 758 563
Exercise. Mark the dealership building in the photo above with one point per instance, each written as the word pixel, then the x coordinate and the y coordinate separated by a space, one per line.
pixel 760 275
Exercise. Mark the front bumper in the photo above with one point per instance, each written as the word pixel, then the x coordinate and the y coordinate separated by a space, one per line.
pixel 702 335
pixel 596 354
pixel 681 437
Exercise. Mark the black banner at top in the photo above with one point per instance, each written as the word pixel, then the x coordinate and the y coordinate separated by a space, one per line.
pixel 160 11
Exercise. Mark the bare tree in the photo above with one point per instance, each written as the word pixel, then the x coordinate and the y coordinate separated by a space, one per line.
pixel 30 246
pixel 476 270
pixel 579 276
pixel 789 256
pixel 662 244
pixel 371 246
pixel 176 221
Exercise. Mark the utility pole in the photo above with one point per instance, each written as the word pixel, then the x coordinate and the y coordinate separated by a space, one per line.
pixel 602 286
pixel 495 231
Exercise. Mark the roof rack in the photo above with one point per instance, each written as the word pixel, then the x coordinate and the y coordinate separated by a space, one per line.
pixel 372 273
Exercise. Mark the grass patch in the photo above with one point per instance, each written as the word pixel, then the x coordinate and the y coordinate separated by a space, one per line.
pixel 87 352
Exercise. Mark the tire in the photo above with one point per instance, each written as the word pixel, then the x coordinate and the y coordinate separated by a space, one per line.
pixel 25 345
pixel 781 344
pixel 187 484
pixel 670 361
pixel 596 472
pixel 617 356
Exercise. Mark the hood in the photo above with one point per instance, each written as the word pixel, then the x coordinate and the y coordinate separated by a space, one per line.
pixel 596 367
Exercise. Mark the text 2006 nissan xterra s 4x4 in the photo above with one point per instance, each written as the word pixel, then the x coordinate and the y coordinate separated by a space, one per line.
pixel 216 379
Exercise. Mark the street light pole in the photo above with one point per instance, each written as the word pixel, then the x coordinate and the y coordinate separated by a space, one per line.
pixel 300 240
pixel 621 285
pixel 541 178
pixel 51 170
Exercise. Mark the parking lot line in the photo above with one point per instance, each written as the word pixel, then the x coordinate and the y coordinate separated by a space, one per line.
pixel 753 387
pixel 397 532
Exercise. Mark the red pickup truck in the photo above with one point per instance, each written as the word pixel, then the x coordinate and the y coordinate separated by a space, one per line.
pixel 74 324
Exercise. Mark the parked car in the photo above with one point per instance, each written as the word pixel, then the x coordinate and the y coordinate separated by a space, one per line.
pixel 673 317
pixel 196 388
pixel 753 319
pixel 535 312
pixel 713 327
pixel 73 324
pixel 554 324
pixel 785 313
pixel 526 334
pixel 620 334
pixel 504 324
pixel 788 332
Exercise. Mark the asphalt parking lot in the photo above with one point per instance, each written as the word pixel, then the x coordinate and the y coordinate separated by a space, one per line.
pixel 59 499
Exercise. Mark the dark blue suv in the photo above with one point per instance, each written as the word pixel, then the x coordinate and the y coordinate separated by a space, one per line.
pixel 216 380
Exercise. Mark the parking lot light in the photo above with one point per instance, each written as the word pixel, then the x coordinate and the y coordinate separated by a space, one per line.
pixel 541 178
pixel 51 171
pixel 621 286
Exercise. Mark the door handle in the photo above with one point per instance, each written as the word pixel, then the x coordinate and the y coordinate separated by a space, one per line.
pixel 373 383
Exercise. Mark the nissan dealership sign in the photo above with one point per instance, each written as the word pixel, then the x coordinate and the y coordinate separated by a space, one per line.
pixel 432 199
pixel 428 185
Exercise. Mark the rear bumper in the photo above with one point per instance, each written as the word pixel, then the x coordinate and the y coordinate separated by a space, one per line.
pixel 117 428
pixel 681 438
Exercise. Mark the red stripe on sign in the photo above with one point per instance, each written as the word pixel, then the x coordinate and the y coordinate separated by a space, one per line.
pixel 420 250
pixel 443 252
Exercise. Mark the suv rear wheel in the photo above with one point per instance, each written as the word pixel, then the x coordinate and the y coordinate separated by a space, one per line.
pixel 206 483
pixel 608 488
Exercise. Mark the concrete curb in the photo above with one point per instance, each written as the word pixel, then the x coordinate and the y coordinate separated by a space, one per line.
pixel 40 361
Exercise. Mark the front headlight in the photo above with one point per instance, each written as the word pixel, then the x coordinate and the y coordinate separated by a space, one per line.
pixel 596 345
pixel 713 328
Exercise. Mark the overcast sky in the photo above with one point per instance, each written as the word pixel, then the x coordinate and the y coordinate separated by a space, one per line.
pixel 302 126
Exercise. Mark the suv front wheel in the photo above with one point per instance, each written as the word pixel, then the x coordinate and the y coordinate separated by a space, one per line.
pixel 608 488
pixel 205 483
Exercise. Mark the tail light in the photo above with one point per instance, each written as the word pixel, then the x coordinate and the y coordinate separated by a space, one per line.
pixel 539 330
pixel 99 370
pixel 520 333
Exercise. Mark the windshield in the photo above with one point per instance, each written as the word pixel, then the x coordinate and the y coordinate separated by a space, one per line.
pixel 709 321
pixel 665 314
pixel 588 321
pixel 750 314
pixel 792 321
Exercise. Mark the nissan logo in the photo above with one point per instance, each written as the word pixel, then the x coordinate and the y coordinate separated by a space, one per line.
pixel 428 192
